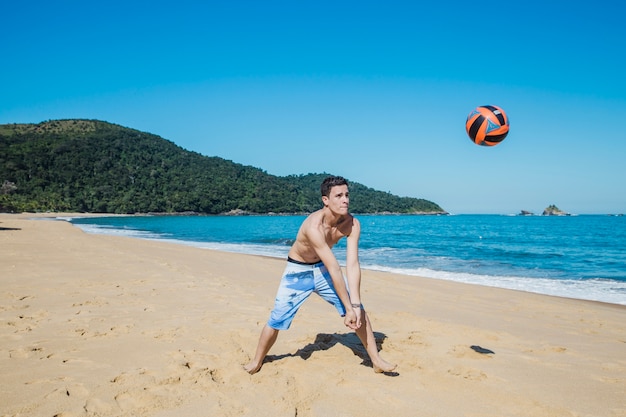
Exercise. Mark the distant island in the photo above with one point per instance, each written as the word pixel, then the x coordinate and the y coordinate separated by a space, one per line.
pixel 551 210
pixel 92 166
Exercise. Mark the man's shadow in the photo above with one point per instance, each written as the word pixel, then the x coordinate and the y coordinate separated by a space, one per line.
pixel 10 228
pixel 325 341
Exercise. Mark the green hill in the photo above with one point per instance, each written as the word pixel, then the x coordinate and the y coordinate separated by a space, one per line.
pixel 98 167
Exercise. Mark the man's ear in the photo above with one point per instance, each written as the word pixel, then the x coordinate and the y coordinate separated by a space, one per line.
pixel 325 200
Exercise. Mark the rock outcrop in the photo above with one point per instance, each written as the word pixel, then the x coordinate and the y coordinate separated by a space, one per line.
pixel 553 210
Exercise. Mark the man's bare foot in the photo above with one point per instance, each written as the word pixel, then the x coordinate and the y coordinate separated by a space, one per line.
pixel 383 366
pixel 252 368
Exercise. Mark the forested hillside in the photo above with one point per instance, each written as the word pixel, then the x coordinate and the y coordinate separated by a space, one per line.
pixel 99 167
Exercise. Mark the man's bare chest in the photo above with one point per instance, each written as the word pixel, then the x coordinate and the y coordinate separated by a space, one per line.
pixel 333 236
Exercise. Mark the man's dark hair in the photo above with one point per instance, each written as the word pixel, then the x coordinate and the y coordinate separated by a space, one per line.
pixel 330 182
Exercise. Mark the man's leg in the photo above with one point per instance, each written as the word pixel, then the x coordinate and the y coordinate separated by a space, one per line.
pixel 295 287
pixel 366 334
pixel 266 341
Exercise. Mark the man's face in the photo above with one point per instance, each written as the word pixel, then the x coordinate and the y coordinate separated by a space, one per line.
pixel 338 199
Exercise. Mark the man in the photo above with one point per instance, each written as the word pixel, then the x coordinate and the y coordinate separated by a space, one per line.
pixel 312 267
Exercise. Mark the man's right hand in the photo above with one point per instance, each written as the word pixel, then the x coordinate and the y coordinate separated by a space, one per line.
pixel 352 320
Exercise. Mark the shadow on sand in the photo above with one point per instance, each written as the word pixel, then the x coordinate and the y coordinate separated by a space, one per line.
pixel 325 341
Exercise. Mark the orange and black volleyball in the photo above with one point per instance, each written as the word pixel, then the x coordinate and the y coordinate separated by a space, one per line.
pixel 487 125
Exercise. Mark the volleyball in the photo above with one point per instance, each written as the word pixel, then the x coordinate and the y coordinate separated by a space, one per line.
pixel 487 125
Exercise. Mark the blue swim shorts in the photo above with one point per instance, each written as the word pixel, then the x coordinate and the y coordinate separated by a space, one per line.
pixel 298 282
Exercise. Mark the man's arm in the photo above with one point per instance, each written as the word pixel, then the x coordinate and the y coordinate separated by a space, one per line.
pixel 353 267
pixel 318 242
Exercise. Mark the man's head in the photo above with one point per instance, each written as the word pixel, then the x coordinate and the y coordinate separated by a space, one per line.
pixel 330 182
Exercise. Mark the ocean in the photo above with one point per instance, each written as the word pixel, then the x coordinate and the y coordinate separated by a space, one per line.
pixel 581 257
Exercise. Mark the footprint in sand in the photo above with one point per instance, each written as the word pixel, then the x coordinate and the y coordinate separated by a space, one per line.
pixel 68 390
pixel 97 407
pixel 416 338
pixel 467 373
pixel 546 349
pixel 128 402
pixel 27 352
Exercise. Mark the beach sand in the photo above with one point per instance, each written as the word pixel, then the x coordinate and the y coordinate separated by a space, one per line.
pixel 94 325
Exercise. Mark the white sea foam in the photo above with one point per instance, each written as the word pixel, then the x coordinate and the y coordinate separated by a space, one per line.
pixel 608 291
pixel 115 231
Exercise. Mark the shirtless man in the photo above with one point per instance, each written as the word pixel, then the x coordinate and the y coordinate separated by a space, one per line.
pixel 312 267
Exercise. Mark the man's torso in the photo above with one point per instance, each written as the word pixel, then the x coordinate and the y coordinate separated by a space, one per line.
pixel 303 249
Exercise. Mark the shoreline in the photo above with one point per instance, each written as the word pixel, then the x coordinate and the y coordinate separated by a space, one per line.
pixel 502 282
pixel 601 290
pixel 97 324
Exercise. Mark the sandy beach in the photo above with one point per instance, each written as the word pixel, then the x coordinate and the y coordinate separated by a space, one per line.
pixel 94 325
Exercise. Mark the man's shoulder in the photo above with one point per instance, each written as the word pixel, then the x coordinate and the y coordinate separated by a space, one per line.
pixel 312 221
pixel 315 217
pixel 355 221
pixel 348 225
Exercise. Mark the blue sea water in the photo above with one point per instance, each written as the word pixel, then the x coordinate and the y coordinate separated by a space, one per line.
pixel 582 257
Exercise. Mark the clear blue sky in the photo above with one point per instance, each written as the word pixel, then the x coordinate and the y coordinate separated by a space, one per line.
pixel 375 91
